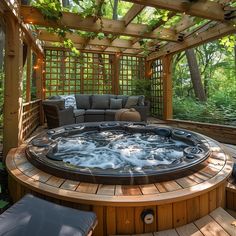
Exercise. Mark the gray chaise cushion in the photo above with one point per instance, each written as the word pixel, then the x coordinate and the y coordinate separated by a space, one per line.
pixel 34 216
pixel 132 101
pixel 83 101
pixel 100 101
pixel 115 103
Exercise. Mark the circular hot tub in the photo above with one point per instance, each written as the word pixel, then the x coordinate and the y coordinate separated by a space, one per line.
pixel 119 153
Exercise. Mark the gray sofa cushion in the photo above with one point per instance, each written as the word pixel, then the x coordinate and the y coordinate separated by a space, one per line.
pixel 110 112
pixel 79 112
pixel 132 101
pixel 60 103
pixel 35 216
pixel 124 99
pixel 95 112
pixel 69 100
pixel 83 101
pixel 100 101
pixel 115 103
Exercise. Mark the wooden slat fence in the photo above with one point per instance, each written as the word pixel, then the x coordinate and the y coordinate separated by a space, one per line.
pixel 31 117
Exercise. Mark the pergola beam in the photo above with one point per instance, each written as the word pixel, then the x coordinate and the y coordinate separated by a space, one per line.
pixel 119 43
pixel 132 13
pixel 195 39
pixel 32 15
pixel 201 8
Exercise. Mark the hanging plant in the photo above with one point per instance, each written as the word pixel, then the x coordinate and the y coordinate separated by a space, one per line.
pixel 51 10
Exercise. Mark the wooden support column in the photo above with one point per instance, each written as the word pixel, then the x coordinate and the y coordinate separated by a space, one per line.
pixel 28 74
pixel 148 69
pixel 116 73
pixel 12 118
pixel 39 85
pixel 167 87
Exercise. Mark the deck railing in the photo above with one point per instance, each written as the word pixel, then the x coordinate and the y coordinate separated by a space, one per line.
pixel 31 118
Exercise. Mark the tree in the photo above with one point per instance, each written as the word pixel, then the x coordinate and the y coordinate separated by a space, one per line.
pixel 195 75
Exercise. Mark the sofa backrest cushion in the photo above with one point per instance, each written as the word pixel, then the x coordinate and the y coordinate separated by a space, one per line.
pixel 132 101
pixel 69 100
pixel 124 99
pixel 83 101
pixel 115 103
pixel 100 101
pixel 141 100
pixel 60 103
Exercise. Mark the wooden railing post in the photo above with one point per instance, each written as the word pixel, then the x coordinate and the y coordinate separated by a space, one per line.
pixel 12 118
pixel 167 87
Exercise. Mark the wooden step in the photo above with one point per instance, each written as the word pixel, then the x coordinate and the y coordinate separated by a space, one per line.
pixel 217 223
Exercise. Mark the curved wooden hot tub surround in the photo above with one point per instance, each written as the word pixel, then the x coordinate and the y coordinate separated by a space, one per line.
pixel 118 208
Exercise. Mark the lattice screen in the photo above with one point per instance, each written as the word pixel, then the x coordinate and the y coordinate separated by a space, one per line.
pixel 131 68
pixel 91 73
pixel 157 89
pixel 67 74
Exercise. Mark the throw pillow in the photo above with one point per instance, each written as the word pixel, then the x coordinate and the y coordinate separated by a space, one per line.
pixel 69 101
pixel 132 101
pixel 115 103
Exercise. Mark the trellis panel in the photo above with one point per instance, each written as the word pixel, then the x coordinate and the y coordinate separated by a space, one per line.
pixel 91 73
pixel 157 102
pixel 131 68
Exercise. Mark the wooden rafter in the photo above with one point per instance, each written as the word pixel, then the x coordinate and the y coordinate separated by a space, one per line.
pixel 132 13
pixel 199 37
pixel 74 21
pixel 201 8
pixel 119 43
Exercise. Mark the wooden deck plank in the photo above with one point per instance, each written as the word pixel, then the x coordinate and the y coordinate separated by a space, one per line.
pixel 41 176
pixel 161 188
pixel 171 185
pixel 225 220
pixel 87 188
pixel 170 232
pixel 209 227
pixel 70 185
pixel 148 189
pixel 186 182
pixel 55 181
pixel 127 190
pixel 106 189
pixel 189 230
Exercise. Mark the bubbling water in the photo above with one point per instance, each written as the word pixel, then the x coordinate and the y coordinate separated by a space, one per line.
pixel 119 150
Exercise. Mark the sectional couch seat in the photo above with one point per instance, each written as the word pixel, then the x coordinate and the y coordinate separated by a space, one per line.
pixel 96 107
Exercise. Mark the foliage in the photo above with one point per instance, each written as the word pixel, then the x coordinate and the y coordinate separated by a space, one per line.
pixel 51 10
pixel 142 87
pixel 217 67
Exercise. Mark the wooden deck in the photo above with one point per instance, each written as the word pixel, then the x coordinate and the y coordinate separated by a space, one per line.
pixel 118 207
pixel 217 223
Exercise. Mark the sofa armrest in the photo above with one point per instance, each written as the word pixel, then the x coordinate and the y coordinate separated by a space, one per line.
pixel 143 110
pixel 66 116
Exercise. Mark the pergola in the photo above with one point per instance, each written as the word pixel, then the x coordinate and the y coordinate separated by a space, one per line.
pixel 217 20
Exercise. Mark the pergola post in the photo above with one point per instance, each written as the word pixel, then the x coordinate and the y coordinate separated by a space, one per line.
pixel 13 85
pixel 28 74
pixel 167 87
pixel 40 85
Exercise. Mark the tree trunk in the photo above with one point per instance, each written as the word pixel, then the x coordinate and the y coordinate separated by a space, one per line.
pixel 65 3
pixel 115 15
pixel 195 75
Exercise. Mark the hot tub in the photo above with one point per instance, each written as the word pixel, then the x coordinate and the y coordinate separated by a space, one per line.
pixel 119 153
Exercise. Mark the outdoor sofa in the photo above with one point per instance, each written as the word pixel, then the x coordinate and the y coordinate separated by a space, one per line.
pixel 90 108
